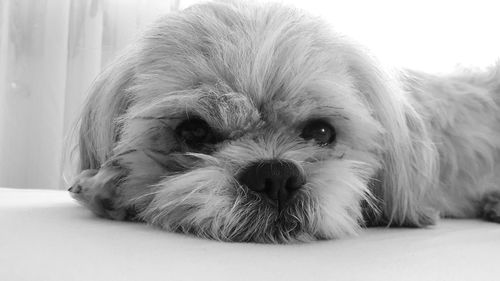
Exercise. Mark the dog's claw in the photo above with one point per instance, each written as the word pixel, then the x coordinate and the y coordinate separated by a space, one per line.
pixel 76 188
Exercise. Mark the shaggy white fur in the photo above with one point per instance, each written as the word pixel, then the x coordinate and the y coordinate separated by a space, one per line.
pixel 407 146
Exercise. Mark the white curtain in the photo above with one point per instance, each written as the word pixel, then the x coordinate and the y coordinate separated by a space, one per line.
pixel 50 51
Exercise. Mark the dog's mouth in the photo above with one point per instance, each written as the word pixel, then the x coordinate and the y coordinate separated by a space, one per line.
pixel 251 217
pixel 282 204
pixel 260 219
pixel 288 222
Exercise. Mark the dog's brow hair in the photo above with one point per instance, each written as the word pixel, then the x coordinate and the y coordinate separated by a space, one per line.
pixel 333 115
pixel 161 119
pixel 327 111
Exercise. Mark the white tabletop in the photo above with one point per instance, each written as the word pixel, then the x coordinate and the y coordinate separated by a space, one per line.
pixel 45 235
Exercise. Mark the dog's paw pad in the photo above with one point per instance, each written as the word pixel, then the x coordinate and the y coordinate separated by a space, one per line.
pixel 491 207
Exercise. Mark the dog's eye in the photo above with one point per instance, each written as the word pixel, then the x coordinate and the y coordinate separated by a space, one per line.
pixel 195 132
pixel 320 131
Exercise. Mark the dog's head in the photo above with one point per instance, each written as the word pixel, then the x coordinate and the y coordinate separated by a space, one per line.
pixel 257 123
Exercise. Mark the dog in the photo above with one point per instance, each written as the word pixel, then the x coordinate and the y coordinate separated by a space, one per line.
pixel 253 122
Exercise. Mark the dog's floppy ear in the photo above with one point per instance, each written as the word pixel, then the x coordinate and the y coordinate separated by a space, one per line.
pixel 410 158
pixel 108 99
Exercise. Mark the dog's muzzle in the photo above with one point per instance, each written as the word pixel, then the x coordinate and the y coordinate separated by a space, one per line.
pixel 277 180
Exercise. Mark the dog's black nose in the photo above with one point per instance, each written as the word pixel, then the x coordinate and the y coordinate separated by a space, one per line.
pixel 278 180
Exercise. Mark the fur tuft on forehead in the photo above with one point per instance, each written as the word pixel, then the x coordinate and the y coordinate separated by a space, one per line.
pixel 248 49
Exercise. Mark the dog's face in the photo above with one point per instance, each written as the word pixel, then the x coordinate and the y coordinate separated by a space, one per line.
pixel 246 123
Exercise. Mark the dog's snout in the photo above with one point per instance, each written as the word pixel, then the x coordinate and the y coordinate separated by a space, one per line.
pixel 278 180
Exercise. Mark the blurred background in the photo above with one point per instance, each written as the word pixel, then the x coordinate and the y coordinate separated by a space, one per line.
pixel 51 50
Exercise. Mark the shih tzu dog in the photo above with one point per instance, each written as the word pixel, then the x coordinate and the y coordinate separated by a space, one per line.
pixel 256 122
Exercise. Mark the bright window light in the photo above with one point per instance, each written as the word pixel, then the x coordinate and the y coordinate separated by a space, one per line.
pixel 427 35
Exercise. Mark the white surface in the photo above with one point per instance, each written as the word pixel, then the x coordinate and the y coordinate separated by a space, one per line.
pixel 45 235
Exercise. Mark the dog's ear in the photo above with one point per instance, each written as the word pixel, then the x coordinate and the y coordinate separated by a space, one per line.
pixel 98 124
pixel 410 158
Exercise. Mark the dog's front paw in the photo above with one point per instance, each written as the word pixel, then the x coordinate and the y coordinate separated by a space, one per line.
pixel 491 207
pixel 97 189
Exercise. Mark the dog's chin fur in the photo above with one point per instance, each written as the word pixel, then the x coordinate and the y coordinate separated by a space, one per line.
pixel 407 146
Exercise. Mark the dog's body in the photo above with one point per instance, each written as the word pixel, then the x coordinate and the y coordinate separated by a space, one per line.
pixel 257 123
pixel 462 115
